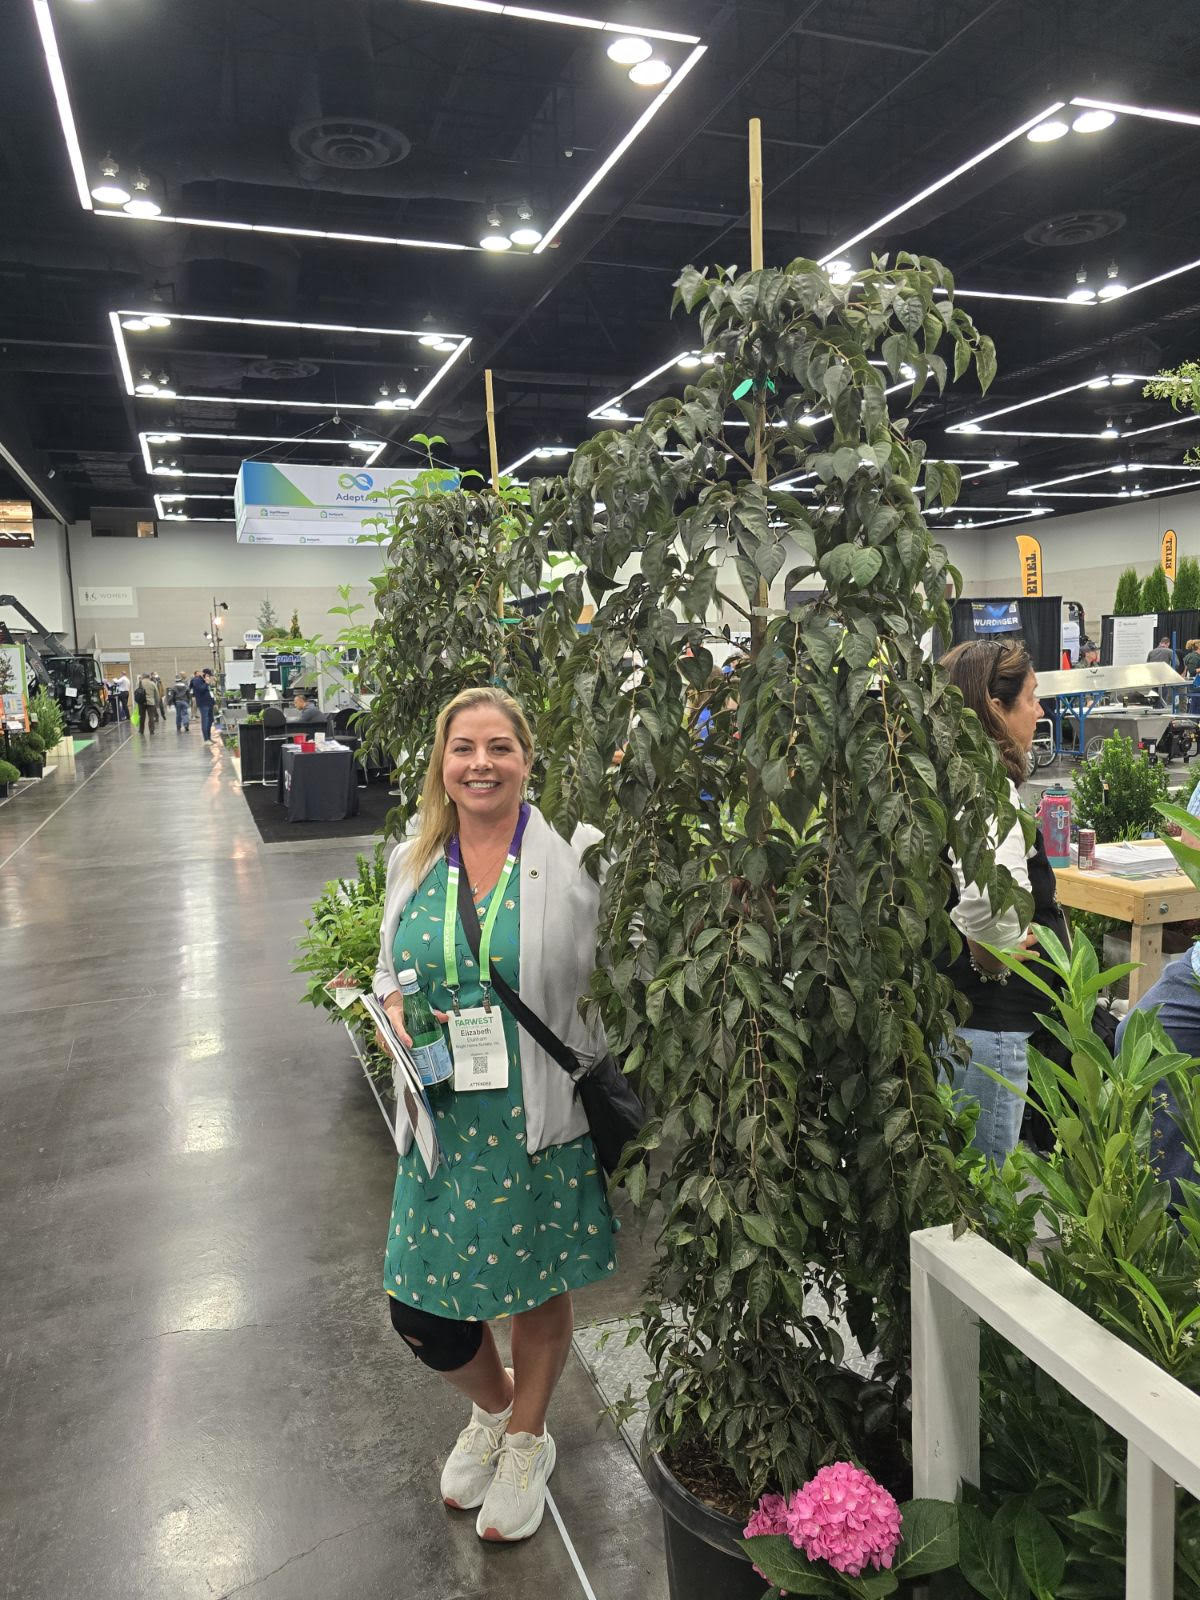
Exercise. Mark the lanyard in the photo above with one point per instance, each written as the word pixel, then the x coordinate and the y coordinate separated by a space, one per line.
pixel 450 919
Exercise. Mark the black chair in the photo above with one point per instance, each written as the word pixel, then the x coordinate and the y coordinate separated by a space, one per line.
pixel 275 736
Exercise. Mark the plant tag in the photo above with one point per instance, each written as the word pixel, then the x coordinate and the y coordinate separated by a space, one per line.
pixel 343 989
pixel 480 1048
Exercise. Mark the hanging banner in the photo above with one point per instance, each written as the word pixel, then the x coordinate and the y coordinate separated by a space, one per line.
pixel 1030 553
pixel 313 505
pixel 13 686
pixel 996 616
pixel 1170 553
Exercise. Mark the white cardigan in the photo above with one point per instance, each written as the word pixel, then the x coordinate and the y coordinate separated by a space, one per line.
pixel 559 908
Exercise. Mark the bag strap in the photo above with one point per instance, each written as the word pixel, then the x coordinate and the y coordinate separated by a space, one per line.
pixel 529 1020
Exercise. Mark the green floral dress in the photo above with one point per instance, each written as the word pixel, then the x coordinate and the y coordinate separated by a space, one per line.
pixel 495 1230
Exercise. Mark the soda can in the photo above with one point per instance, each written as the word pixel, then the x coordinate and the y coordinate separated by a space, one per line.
pixel 1087 849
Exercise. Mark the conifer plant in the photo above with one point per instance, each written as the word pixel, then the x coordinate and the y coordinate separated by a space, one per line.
pixel 775 886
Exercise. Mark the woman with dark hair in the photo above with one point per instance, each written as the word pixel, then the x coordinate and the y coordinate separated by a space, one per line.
pixel 998 683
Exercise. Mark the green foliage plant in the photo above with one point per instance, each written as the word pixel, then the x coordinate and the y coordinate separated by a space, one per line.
pixel 294 629
pixel 1181 386
pixel 51 724
pixel 1094 1221
pixel 774 897
pixel 1155 594
pixel 1117 792
pixel 342 935
pixel 268 622
pixel 1128 601
pixel 1185 596
pixel 27 750
pixel 454 550
pixel 8 773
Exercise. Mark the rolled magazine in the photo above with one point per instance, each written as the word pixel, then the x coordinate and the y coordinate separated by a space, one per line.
pixel 412 1102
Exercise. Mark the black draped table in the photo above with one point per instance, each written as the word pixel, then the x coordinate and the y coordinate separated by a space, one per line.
pixel 318 786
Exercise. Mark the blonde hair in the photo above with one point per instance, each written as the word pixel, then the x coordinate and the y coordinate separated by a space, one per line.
pixel 439 814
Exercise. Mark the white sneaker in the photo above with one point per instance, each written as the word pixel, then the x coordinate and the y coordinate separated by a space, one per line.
pixel 516 1498
pixel 471 1465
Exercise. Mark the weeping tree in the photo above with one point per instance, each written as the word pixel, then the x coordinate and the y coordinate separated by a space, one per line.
pixel 773 904
pixel 454 550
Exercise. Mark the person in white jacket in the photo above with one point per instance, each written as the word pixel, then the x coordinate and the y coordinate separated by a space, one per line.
pixel 517 1215
pixel 997 682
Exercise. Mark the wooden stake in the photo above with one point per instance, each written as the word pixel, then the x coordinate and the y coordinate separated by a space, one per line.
pixel 491 428
pixel 758 622
pixel 756 196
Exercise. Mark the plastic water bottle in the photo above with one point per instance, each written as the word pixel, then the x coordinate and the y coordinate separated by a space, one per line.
pixel 1055 815
pixel 429 1048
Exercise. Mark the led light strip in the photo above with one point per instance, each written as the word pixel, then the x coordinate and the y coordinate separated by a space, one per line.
pixel 995 522
pixel 34 488
pixel 161 501
pixel 158 437
pixel 54 67
pixel 541 452
pixel 1120 469
pixel 1184 118
pixel 1120 380
pixel 404 404
pixel 279 322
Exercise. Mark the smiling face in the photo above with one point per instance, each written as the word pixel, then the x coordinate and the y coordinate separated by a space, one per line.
pixel 484 768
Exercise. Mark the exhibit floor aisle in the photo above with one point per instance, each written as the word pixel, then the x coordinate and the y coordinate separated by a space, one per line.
pixel 200 1392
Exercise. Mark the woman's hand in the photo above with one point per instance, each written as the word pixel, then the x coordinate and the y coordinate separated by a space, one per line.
pixel 394 1006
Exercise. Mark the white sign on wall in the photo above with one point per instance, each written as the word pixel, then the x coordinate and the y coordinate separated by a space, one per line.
pixel 312 505
pixel 1133 639
pixel 137 638
pixel 94 595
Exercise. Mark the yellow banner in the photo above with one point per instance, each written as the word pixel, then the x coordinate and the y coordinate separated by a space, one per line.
pixel 1170 553
pixel 1030 552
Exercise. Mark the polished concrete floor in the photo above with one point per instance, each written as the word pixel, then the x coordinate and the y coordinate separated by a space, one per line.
pixel 200 1394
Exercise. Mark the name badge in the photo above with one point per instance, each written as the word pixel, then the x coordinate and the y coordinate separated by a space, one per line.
pixel 480 1049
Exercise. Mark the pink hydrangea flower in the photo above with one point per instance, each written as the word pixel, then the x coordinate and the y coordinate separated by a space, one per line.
pixel 769 1516
pixel 844 1517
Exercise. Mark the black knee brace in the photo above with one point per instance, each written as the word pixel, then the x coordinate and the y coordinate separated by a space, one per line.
pixel 440 1342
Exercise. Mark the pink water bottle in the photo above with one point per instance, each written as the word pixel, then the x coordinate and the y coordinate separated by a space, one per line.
pixel 1054 814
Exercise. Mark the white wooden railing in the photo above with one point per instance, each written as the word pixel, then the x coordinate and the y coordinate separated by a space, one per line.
pixel 955 1283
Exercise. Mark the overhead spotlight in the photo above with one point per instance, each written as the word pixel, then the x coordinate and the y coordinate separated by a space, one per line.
pixel 629 50
pixel 495 239
pixel 969 427
pixel 526 235
pixel 906 371
pixel 649 74
pixel 1120 467
pixel 1114 288
pixel 1081 295
pixel 997 464
pixel 689 361
pixel 1092 121
pixel 1101 380
pixel 362 444
pixel 142 203
pixel 430 336
pixel 1121 379
pixel 1108 431
pixel 145 383
pixel 446 345
pixel 135 324
pixel 709 360
pixel 1052 128
pixel 385 401
pixel 840 271
pixel 107 189
pixel 401 402
pixel 156 319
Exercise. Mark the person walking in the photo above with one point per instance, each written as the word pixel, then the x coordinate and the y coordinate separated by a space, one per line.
pixel 148 699
pixel 179 696
pixel 121 688
pixel 518 1216
pixel 202 693
pixel 998 683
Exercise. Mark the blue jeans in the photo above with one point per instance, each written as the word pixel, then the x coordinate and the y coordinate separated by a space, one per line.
pixel 206 716
pixel 1177 996
pixel 1000 1111
pixel 182 716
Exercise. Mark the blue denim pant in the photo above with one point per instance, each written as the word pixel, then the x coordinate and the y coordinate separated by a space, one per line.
pixel 1177 996
pixel 1000 1111
pixel 182 716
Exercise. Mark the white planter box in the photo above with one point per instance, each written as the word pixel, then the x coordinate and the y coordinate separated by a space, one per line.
pixel 955 1283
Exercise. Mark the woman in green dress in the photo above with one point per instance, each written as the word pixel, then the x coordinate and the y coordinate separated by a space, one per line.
pixel 515 1215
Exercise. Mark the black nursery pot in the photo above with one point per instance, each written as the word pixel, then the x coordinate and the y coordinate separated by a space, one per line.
pixel 703 1556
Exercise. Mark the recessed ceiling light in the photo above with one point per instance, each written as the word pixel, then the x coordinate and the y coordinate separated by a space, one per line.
pixel 1093 121
pixel 840 271
pixel 649 74
pixel 688 362
pixel 1044 132
pixel 495 242
pixel 627 52
pixel 135 324
pixel 156 319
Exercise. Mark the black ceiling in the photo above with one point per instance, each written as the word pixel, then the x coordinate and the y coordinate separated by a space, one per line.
pixel 408 119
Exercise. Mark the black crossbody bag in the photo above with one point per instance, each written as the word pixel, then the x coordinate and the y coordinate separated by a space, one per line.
pixel 614 1111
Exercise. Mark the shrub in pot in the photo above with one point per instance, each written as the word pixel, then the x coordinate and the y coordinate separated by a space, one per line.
pixel 774 901
pixel 28 751
pixel 8 776
pixel 48 717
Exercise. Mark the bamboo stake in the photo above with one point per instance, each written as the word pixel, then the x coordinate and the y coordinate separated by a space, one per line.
pixel 490 407
pixel 758 622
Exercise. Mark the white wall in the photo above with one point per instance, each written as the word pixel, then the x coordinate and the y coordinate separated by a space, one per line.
pixel 38 578
pixel 176 577
pixel 1083 554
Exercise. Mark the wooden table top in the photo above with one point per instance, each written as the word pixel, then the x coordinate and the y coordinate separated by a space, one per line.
pixel 1170 898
